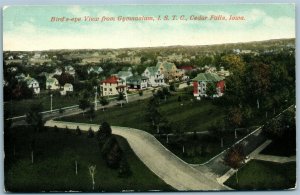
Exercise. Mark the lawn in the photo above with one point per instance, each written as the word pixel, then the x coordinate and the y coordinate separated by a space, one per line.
pixel 262 175
pixel 54 170
pixel 196 115
pixel 199 148
pixel 21 107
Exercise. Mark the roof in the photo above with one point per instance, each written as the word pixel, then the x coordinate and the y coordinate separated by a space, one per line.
pixel 208 77
pixel 123 73
pixel 51 80
pixel 68 85
pixel 152 70
pixel 186 68
pixel 111 79
pixel 167 65
pixel 136 79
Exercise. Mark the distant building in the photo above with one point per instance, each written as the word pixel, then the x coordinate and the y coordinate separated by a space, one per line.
pixel 112 86
pixel 201 82
pixel 222 72
pixel 70 70
pixel 57 71
pixel 155 76
pixel 96 70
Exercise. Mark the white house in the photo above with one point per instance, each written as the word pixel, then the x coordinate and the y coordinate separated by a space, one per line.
pixel 112 86
pixel 52 84
pixel 57 71
pixel 124 74
pixel 33 84
pixel 68 87
pixel 156 78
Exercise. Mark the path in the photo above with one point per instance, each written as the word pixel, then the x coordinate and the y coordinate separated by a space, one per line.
pixel 157 158
pixel 276 159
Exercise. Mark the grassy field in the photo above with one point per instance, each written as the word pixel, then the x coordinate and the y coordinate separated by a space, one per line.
pixel 54 164
pixel 261 175
pixel 196 115
pixel 21 107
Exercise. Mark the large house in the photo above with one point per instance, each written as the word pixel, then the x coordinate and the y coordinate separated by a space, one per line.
pixel 52 83
pixel 137 82
pixel 156 78
pixel 112 86
pixel 201 82
pixel 170 70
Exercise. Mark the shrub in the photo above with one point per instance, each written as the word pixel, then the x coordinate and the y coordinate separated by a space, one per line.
pixel 90 133
pixel 78 131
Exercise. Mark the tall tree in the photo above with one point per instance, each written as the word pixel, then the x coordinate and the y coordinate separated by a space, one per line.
pixel 235 158
pixel 103 101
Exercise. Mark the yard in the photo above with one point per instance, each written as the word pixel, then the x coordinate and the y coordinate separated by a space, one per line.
pixel 54 168
pixel 21 107
pixel 195 115
pixel 262 175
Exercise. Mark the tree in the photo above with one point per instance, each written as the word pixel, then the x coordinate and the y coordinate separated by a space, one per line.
pixel 78 131
pixel 104 131
pixel 121 98
pixel 104 101
pixel 141 93
pixel 235 118
pixel 217 130
pixel 92 172
pixel 211 89
pixel 83 104
pixel 32 148
pixel 166 93
pixel 91 112
pixel 90 133
pixel 34 116
pixel 235 158
pixel 124 169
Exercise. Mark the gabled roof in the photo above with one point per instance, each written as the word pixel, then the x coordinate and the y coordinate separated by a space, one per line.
pixel 167 65
pixel 186 67
pixel 123 73
pixel 152 70
pixel 208 77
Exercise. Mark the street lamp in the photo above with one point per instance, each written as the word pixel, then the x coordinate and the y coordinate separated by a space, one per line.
pixel 51 101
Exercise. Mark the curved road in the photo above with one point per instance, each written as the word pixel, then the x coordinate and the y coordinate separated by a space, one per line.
pixel 157 158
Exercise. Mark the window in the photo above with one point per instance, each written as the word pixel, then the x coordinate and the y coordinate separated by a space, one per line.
pixel 110 89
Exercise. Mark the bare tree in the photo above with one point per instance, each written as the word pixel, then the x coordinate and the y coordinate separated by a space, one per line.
pixel 92 171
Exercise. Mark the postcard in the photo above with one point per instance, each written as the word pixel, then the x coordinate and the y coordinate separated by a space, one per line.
pixel 149 98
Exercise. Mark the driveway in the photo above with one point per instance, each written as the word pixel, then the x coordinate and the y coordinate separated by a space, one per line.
pixel 157 158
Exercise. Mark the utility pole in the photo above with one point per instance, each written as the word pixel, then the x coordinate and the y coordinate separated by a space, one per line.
pixel 51 101
pixel 96 99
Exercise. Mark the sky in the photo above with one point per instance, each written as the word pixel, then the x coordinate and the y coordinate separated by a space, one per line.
pixel 27 28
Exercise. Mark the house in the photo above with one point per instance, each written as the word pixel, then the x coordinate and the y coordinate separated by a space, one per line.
pixel 12 69
pixel 155 76
pixel 137 82
pixel 222 72
pixel 96 70
pixel 124 74
pixel 68 87
pixel 32 84
pixel 52 83
pixel 201 81
pixel 169 70
pixel 70 70
pixel 11 57
pixel 187 69
pixel 20 77
pixel 112 86
pixel 57 71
